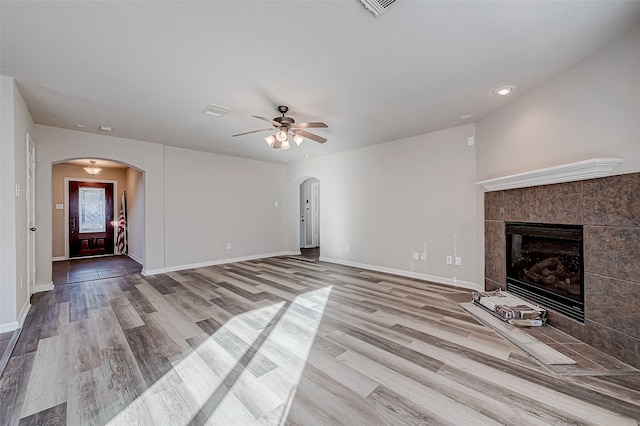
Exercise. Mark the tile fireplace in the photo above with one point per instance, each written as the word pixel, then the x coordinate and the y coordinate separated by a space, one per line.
pixel 607 210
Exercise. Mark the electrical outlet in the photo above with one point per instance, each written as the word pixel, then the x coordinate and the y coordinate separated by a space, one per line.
pixel 415 255
pixel 449 260
pixel 458 261
pixel 423 256
pixel 346 247
pixel 228 246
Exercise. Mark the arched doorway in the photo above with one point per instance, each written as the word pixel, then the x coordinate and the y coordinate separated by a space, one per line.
pixel 310 217
pixel 80 253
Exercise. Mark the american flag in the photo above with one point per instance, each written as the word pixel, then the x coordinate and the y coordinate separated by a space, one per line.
pixel 121 241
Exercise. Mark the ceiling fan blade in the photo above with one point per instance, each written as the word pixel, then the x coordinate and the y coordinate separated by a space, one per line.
pixel 310 136
pixel 253 131
pixel 268 120
pixel 308 125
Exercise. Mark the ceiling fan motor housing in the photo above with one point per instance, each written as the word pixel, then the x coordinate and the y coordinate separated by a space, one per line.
pixel 285 121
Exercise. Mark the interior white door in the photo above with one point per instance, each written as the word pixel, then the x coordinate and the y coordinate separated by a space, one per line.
pixel 315 214
pixel 303 215
pixel 31 216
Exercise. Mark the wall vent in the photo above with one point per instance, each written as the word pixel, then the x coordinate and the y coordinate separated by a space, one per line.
pixel 377 6
pixel 215 110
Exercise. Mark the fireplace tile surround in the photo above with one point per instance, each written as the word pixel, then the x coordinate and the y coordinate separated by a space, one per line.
pixel 609 210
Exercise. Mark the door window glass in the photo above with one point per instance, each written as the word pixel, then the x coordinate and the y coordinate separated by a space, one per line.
pixel 92 209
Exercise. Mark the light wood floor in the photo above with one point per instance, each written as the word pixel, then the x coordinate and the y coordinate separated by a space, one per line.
pixel 286 341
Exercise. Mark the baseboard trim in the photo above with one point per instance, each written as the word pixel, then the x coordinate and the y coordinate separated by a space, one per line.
pixel 156 271
pixel 215 262
pixel 136 258
pixel 58 258
pixel 23 314
pixel 43 287
pixel 410 274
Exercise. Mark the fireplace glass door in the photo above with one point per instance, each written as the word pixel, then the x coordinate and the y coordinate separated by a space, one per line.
pixel 545 265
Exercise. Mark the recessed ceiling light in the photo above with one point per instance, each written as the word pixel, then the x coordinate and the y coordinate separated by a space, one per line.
pixel 464 117
pixel 215 110
pixel 106 128
pixel 504 90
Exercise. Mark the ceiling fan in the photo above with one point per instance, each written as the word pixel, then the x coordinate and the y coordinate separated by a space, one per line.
pixel 287 126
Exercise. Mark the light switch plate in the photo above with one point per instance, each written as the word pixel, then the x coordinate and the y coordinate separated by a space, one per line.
pixel 59 206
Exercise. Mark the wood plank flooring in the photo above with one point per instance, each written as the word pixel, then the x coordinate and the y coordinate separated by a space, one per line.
pixel 284 341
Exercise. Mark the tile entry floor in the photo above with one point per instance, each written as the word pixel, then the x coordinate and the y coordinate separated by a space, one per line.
pixel 95 268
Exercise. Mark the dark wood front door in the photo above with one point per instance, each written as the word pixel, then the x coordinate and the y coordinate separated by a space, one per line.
pixel 90 218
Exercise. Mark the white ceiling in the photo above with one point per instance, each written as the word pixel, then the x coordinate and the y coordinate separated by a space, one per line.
pixel 147 69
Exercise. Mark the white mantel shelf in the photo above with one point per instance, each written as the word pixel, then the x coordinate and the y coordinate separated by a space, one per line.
pixel 587 169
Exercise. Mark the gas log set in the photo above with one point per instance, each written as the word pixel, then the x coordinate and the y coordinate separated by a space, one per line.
pixel 545 265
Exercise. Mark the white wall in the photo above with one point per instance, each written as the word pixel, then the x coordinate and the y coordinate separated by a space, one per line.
pixel 589 111
pixel 55 145
pixel 16 123
pixel 389 200
pixel 135 213
pixel 190 203
pixel 212 200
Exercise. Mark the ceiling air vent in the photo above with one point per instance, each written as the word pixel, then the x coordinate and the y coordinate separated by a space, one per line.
pixel 215 110
pixel 377 6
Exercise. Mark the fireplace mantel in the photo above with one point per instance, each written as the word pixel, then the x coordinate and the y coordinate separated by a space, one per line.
pixel 587 169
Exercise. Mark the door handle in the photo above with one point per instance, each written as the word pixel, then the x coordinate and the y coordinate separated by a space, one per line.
pixel 33 228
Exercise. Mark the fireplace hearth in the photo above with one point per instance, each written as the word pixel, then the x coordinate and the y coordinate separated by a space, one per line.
pixel 545 265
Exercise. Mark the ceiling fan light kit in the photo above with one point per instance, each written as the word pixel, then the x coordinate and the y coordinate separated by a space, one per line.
pixel 281 135
pixel 287 126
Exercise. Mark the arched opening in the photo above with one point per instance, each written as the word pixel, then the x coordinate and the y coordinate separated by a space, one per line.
pixel 97 220
pixel 310 218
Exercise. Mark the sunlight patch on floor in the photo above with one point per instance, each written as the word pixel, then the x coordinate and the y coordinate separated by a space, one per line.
pixel 242 374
